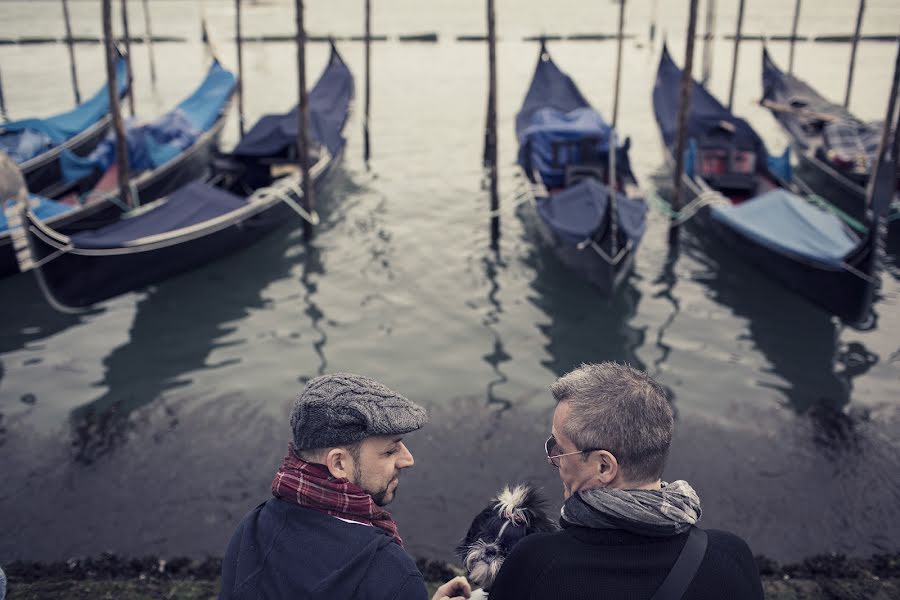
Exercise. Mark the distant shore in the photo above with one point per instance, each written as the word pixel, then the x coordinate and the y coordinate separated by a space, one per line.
pixel 111 576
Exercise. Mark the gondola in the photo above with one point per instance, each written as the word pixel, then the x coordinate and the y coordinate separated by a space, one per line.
pixel 36 144
pixel 835 149
pixel 164 154
pixel 744 198
pixel 564 154
pixel 250 192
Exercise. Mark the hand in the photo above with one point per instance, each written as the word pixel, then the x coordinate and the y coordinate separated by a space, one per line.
pixel 455 589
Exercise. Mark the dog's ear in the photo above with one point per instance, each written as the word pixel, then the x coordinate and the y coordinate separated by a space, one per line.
pixel 536 508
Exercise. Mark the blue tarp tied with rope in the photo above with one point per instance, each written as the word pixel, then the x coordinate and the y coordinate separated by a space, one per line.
pixel 151 145
pixel 579 212
pixel 329 103
pixel 28 138
pixel 789 224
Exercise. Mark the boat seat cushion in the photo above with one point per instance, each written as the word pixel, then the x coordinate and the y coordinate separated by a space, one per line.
pixel 189 205
pixel 790 225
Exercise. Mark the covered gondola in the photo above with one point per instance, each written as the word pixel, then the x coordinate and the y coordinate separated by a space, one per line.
pixel 36 144
pixel 746 199
pixel 252 191
pixel 835 149
pixel 587 204
pixel 163 154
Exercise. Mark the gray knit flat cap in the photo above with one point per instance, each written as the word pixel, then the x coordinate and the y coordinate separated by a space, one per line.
pixel 338 409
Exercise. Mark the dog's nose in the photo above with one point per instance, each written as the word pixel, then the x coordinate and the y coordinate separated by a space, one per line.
pixel 491 551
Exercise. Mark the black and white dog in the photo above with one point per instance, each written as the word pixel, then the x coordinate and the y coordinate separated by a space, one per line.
pixel 512 515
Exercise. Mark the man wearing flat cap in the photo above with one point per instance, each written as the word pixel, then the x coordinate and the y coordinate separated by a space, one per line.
pixel 325 533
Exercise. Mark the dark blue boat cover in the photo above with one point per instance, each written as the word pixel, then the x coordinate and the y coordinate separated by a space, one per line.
pixel 790 225
pixel 27 138
pixel 577 213
pixel 706 113
pixel 194 203
pixel 43 208
pixel 554 110
pixel 329 105
pixel 152 144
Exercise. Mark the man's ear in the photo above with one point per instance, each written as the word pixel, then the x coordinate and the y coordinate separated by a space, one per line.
pixel 607 466
pixel 339 463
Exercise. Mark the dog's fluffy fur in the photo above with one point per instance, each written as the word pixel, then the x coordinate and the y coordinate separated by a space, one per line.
pixel 513 514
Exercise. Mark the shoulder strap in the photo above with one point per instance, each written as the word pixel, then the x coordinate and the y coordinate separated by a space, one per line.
pixel 685 567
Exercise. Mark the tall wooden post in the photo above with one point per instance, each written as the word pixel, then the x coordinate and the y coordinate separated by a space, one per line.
pixel 490 140
pixel 613 177
pixel 794 36
pixel 148 39
pixel 653 21
pixel 303 116
pixel 3 113
pixel 621 35
pixel 368 51
pixel 734 60
pixel 240 64
pixel 684 105
pixel 124 6
pixel 708 38
pixel 112 87
pixel 71 44
pixel 859 18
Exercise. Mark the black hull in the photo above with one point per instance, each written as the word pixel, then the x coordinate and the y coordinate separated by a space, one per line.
pixel 191 165
pixel 586 264
pixel 73 282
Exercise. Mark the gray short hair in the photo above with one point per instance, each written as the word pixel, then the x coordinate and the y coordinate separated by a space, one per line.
pixel 622 410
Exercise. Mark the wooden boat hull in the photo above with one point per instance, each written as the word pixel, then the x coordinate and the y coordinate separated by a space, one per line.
pixel 189 165
pixel 104 276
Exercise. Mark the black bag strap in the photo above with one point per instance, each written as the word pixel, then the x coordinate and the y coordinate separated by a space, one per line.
pixel 685 567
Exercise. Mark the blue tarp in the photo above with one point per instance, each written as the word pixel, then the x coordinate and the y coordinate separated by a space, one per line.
pixel 27 138
pixel 194 203
pixel 152 144
pixel 43 208
pixel 707 117
pixel 329 105
pixel 579 212
pixel 789 224
pixel 554 110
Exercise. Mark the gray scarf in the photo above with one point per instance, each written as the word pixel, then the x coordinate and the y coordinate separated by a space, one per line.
pixel 659 513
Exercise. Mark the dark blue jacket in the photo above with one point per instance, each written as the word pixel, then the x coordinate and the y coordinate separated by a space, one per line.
pixel 281 550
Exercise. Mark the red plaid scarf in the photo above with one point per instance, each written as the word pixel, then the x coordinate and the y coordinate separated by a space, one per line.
pixel 311 485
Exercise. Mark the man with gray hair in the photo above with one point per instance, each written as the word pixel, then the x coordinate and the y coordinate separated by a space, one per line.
pixel 625 532
pixel 325 533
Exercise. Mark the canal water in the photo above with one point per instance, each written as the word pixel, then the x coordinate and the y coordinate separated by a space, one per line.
pixel 152 424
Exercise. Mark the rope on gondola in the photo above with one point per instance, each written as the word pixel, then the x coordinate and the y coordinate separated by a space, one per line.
pixel 822 203
pixel 277 191
pixel 679 217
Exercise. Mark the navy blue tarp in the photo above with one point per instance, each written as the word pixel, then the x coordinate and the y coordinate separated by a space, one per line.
pixel 329 105
pixel 579 212
pixel 789 224
pixel 27 138
pixel 194 203
pixel 707 117
pixel 153 144
pixel 555 111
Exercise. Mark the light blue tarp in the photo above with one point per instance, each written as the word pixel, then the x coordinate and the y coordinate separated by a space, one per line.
pixel 579 212
pixel 789 224
pixel 151 145
pixel 27 138
pixel 43 208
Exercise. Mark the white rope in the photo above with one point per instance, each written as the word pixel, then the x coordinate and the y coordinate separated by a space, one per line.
pixel 703 199
pixel 854 271
pixel 281 190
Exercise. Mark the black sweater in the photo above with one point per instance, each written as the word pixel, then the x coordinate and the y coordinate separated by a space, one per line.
pixel 580 563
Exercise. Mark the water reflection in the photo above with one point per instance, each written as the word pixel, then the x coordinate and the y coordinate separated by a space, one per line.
pixel 31 317
pixel 498 355
pixel 801 343
pixel 312 270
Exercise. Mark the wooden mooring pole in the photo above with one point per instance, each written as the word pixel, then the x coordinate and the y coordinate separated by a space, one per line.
pixel 124 6
pixel 621 35
pixel 684 105
pixel 611 145
pixel 368 100
pixel 490 139
pixel 71 44
pixel 148 39
pixel 708 38
pixel 3 113
pixel 308 202
pixel 734 60
pixel 653 21
pixel 240 65
pixel 859 18
pixel 793 36
pixel 112 87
